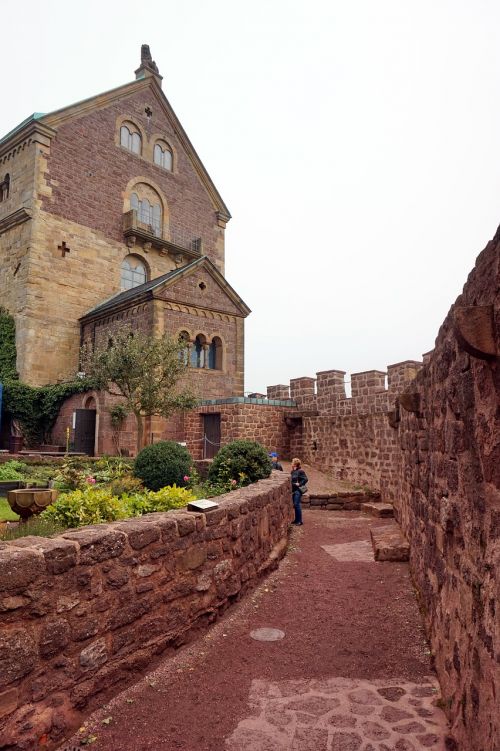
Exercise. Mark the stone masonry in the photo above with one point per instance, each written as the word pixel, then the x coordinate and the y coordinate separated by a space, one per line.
pixel 82 611
pixel 447 500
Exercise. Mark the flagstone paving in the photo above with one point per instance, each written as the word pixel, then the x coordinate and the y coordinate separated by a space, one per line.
pixel 351 673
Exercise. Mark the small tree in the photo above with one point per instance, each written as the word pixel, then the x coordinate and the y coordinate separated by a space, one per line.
pixel 145 370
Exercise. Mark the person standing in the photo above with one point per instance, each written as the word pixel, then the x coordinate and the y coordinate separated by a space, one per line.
pixel 299 481
pixel 274 461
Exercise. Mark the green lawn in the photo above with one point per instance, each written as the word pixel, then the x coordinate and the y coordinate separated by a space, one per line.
pixel 6 513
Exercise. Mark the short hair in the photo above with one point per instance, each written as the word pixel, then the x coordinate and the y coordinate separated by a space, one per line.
pixel 296 461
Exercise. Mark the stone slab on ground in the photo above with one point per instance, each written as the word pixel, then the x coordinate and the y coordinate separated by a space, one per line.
pixel 389 544
pixel 361 550
pixel 341 714
pixel 381 510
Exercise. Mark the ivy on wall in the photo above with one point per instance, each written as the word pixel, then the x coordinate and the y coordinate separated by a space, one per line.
pixel 34 407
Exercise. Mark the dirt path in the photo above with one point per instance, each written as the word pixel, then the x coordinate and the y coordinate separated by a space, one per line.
pixel 351 673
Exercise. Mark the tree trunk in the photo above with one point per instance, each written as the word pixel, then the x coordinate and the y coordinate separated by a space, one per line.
pixel 140 430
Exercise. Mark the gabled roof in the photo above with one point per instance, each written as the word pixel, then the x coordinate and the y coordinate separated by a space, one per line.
pixel 71 111
pixel 147 290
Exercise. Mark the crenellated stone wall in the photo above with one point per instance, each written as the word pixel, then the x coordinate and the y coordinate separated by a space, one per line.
pixel 84 611
pixel 355 438
pixel 447 500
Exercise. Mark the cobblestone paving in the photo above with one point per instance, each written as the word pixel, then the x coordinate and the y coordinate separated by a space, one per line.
pixel 341 714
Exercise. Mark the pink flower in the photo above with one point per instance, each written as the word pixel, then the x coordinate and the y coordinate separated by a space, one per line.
pixel 91 480
pixel 233 482
pixel 186 478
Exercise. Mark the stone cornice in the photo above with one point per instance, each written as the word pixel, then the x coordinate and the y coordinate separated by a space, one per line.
pixel 34 131
pixel 12 220
pixel 59 117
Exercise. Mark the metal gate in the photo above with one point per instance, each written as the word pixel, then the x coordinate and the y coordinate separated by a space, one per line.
pixel 84 441
pixel 211 435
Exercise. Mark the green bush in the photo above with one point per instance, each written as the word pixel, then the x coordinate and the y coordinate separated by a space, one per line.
pixel 161 464
pixel 88 506
pixel 240 463
pixel 12 470
pixel 166 499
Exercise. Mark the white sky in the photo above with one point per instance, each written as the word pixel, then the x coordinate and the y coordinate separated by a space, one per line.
pixel 356 143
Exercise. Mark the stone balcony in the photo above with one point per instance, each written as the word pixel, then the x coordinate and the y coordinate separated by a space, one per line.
pixel 175 241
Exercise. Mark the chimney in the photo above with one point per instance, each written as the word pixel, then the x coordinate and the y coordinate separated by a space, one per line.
pixel 148 67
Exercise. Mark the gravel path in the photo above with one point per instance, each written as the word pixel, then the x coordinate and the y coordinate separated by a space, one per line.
pixel 352 672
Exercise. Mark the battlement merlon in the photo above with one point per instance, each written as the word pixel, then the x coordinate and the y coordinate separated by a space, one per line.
pixel 369 391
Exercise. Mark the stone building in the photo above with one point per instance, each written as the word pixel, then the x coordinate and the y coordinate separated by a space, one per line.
pixel 108 217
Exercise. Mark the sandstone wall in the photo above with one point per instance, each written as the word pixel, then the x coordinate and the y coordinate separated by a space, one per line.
pixel 448 503
pixel 361 449
pixel 255 422
pixel 355 437
pixel 82 612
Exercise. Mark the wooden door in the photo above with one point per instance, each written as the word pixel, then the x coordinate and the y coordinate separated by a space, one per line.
pixel 211 435
pixel 84 441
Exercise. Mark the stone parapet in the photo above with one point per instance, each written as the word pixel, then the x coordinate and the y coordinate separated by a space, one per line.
pixel 83 611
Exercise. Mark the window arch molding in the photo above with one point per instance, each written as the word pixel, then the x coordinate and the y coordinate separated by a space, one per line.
pixel 134 270
pixel 131 120
pixel 158 139
pixel 134 186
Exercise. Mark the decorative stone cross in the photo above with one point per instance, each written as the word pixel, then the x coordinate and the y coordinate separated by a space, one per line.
pixel 63 248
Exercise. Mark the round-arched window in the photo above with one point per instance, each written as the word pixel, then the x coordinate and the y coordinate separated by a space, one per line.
pixel 130 138
pixel 162 156
pixel 133 272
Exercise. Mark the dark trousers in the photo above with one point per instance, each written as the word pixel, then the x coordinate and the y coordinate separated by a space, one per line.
pixel 296 497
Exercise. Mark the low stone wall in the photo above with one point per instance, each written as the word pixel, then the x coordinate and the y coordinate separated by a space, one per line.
pixel 348 501
pixel 84 611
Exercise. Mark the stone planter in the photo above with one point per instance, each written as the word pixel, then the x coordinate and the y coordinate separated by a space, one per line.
pixel 30 501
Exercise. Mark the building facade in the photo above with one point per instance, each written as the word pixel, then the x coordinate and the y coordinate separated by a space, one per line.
pixel 108 218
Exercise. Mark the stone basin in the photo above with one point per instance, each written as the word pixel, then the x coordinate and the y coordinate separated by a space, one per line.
pixel 29 501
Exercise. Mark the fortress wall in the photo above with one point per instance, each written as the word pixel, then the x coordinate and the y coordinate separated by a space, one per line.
pixel 447 500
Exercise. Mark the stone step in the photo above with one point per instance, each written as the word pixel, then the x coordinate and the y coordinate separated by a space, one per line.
pixel 382 510
pixel 389 544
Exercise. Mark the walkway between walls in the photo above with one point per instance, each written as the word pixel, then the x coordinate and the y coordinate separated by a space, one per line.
pixel 351 672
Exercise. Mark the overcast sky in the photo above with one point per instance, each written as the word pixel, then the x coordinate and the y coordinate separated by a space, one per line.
pixel 356 143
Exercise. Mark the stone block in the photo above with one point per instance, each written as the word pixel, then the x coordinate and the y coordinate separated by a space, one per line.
pixel 389 544
pixel 95 655
pixel 17 654
pixel 140 533
pixel 97 543
pixel 54 636
pixel 381 510
pixel 19 568
pixel 192 558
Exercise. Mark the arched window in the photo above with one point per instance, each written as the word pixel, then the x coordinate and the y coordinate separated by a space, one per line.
pixel 215 354
pixel 198 352
pixel 4 188
pixel 147 213
pixel 133 272
pixel 130 138
pixel 162 156
pixel 184 352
